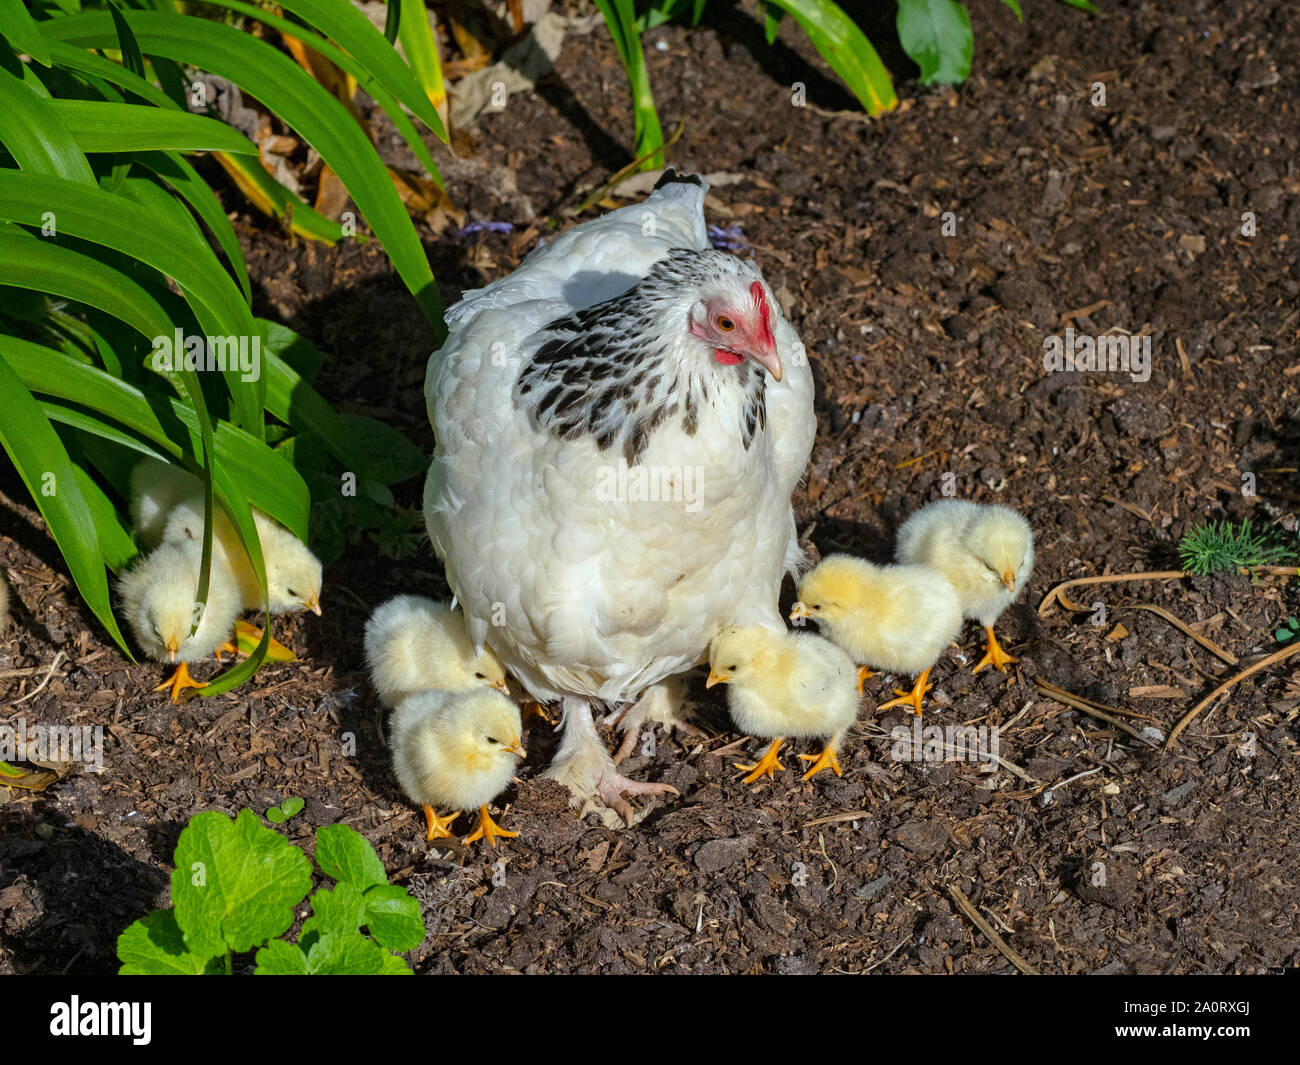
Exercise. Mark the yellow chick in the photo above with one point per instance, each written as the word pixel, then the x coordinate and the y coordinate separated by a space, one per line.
pixel 156 489
pixel 785 684
pixel 293 573
pixel 457 751
pixel 158 598
pixel 896 618
pixel 414 643
pixel 985 551
pixel 167 503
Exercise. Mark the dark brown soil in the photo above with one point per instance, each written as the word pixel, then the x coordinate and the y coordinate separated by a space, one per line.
pixel 1096 852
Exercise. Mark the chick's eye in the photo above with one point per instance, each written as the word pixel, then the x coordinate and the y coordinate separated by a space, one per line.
pixel 479 676
pixel 292 592
pixel 725 324
pixel 731 669
pixel 493 739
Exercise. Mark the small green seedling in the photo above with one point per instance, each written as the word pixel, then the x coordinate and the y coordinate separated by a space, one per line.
pixel 1288 631
pixel 1216 547
pixel 236 888
pixel 278 815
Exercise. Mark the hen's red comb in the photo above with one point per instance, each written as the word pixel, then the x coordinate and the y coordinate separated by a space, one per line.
pixel 760 301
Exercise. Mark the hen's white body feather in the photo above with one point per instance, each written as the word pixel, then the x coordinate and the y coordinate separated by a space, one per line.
pixel 586 597
pixel 577 594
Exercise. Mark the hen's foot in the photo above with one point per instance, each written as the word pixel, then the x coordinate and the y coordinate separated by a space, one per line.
pixel 584 767
pixel 438 827
pixel 488 829
pixel 825 760
pixel 765 766
pixel 994 655
pixel 912 698
pixel 180 680
pixel 863 674
pixel 611 786
pixel 664 703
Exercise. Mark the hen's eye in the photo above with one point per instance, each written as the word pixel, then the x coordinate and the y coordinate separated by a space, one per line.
pixel 725 324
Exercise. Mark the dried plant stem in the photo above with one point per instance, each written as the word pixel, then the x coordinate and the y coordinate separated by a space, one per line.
pixel 1182 626
pixel 1263 663
pixel 968 908
pixel 1079 703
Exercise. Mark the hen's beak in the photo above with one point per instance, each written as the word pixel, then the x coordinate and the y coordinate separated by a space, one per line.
pixel 714 679
pixel 173 645
pixel 763 342
pixel 800 611
pixel 501 686
pixel 767 357
pixel 1009 579
pixel 313 604
pixel 517 748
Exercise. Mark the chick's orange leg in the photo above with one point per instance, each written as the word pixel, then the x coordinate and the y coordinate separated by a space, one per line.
pixel 533 709
pixel 825 760
pixel 912 698
pixel 488 829
pixel 439 827
pixel 180 680
pixel 863 674
pixel 994 655
pixel 765 766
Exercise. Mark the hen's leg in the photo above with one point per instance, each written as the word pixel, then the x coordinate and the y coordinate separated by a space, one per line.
pixel 584 767
pixel 664 703
pixel 994 655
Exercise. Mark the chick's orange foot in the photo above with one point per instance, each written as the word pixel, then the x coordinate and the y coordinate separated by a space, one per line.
pixel 863 674
pixel 488 829
pixel 912 698
pixel 994 655
pixel 825 760
pixel 438 827
pixel 533 709
pixel 179 681
pixel 766 766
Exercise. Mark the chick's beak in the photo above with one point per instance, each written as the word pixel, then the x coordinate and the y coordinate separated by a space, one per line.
pixel 517 748
pixel 1009 579
pixel 714 679
pixel 173 645
pixel 313 604
pixel 800 611
pixel 501 686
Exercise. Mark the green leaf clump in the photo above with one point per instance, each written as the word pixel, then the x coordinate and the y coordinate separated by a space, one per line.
pixel 236 889
pixel 1217 547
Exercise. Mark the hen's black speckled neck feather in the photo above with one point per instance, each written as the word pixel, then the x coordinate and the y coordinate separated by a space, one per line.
pixel 603 372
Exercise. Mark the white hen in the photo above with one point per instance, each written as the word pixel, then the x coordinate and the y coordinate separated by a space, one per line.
pixel 620 424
